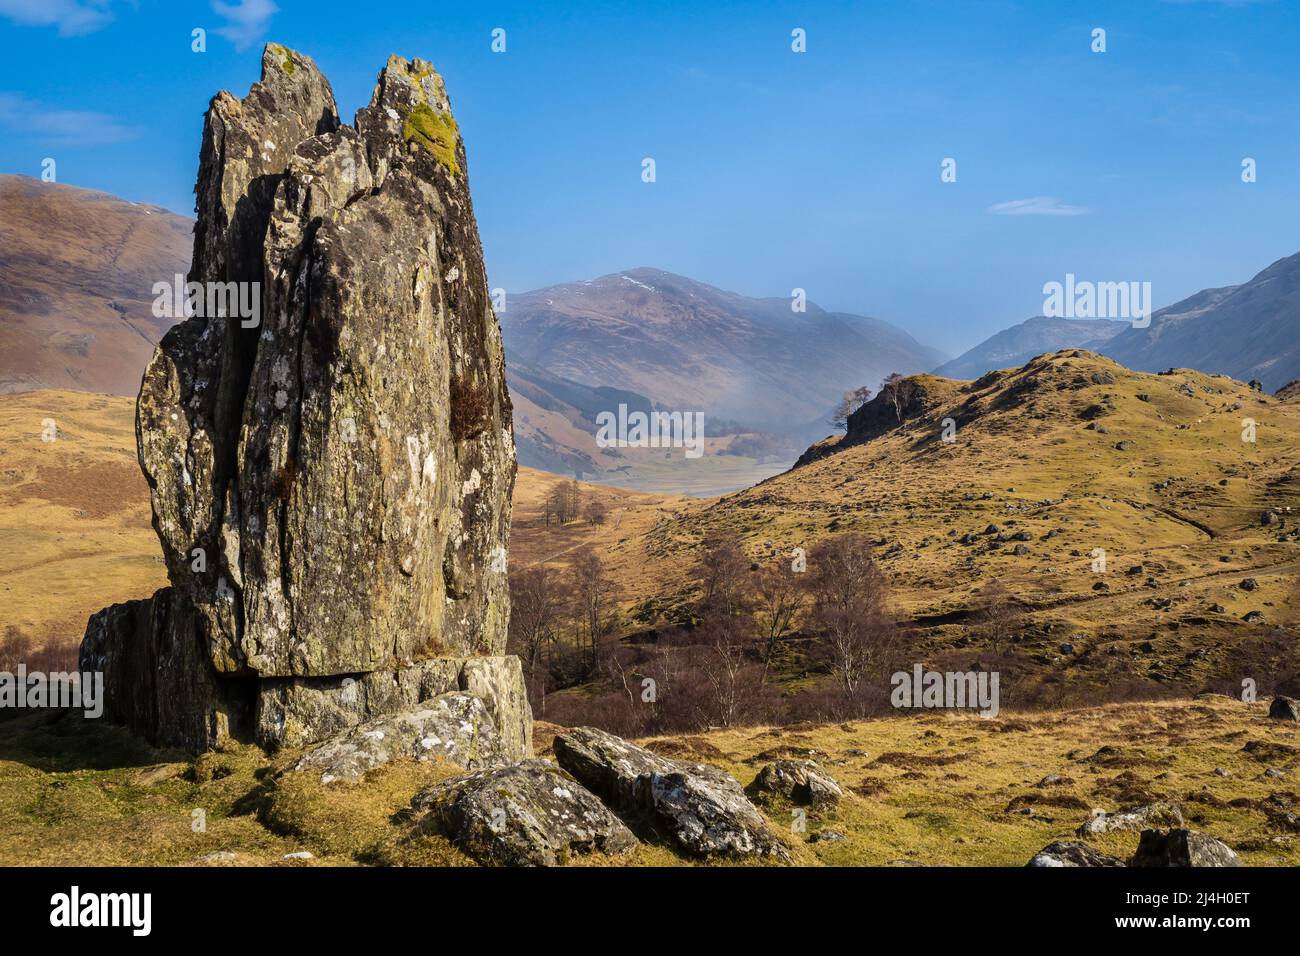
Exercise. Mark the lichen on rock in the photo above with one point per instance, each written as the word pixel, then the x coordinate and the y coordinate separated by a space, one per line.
pixel 331 485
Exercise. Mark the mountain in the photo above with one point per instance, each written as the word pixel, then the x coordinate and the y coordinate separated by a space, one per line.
pixel 1015 346
pixel 77 269
pixel 1247 331
pixel 1048 463
pixel 689 346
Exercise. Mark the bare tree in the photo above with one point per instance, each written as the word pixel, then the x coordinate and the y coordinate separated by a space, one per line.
pixel 778 598
pixel 594 596
pixel 898 392
pixel 596 512
pixel 537 606
pixel 1000 617
pixel 849 403
pixel 722 571
pixel 849 610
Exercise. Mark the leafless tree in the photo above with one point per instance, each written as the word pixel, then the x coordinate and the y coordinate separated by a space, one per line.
pixel 849 403
pixel 1000 618
pixel 594 596
pixel 778 598
pixel 849 610
pixel 596 512
pixel 537 603
pixel 898 392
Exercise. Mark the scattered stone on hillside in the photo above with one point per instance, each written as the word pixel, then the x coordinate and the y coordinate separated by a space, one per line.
pixel 1284 708
pixel 704 809
pixel 330 473
pixel 1269 518
pixel 801 782
pixel 1266 751
pixel 827 836
pixel 1181 847
pixel 455 727
pixel 1158 814
pixel 1020 550
pixel 1249 584
pixel 1253 617
pixel 1069 853
pixel 1123 446
pixel 527 814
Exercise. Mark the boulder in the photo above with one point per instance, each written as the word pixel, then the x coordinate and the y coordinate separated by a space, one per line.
pixel 455 727
pixel 330 463
pixel 527 814
pixel 1284 708
pixel 703 809
pixel 1138 818
pixel 1070 853
pixel 1182 848
pixel 800 781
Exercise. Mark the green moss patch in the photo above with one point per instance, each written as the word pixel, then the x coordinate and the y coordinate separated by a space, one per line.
pixel 435 132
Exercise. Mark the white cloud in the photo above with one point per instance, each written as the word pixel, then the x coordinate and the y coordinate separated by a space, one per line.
pixel 247 20
pixel 61 127
pixel 72 17
pixel 1037 206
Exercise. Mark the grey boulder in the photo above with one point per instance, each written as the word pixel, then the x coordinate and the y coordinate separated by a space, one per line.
pixel 527 814
pixel 1182 848
pixel 799 781
pixel 1138 818
pixel 1070 853
pixel 704 810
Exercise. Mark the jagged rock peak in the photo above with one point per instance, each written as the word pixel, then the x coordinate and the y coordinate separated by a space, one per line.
pixel 329 454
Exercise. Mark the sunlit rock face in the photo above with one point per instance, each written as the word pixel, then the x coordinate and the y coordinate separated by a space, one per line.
pixel 331 468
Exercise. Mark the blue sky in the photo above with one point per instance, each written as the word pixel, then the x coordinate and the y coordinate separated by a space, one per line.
pixel 775 170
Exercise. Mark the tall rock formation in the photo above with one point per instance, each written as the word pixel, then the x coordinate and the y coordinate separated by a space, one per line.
pixel 330 471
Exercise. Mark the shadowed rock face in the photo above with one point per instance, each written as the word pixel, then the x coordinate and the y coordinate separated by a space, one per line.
pixel 332 485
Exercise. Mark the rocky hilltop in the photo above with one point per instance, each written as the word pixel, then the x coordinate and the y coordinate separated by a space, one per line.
pixel 330 472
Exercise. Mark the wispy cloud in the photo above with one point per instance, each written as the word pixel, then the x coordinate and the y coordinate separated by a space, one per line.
pixel 57 127
pixel 246 20
pixel 72 17
pixel 1037 206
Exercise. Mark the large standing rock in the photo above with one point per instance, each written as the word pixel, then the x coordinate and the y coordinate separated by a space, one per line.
pixel 330 471
pixel 528 814
pixel 1068 853
pixel 704 810
pixel 1182 848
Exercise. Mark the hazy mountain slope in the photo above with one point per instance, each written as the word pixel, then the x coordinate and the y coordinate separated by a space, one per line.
pixel 1247 331
pixel 689 346
pixel 77 270
pixel 1015 346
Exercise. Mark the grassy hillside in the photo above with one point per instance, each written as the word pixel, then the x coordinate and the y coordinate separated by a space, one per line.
pixel 938 790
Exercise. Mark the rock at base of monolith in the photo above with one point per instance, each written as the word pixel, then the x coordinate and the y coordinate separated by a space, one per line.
pixel 156 677
pixel 1069 853
pixel 296 711
pixel 1182 848
pixel 528 814
pixel 702 808
pixel 455 727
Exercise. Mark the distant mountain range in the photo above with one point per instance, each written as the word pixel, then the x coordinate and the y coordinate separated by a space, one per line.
pixel 686 345
pixel 1015 346
pixel 76 273
pixel 1247 331
pixel 77 270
